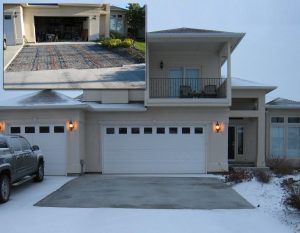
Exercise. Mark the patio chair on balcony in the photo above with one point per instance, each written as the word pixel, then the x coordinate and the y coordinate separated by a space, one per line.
pixel 210 91
pixel 186 92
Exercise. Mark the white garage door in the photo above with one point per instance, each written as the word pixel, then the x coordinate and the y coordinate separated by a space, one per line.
pixel 161 149
pixel 52 142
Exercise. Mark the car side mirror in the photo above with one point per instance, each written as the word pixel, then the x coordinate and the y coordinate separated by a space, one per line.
pixel 35 147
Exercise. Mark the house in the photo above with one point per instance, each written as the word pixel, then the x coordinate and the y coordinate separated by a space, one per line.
pixel 45 22
pixel 189 119
pixel 283 130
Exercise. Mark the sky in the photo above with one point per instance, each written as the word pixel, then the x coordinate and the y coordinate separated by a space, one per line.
pixel 268 54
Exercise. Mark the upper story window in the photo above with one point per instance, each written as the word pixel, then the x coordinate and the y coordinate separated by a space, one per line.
pixel 277 119
pixel 294 120
pixel 116 23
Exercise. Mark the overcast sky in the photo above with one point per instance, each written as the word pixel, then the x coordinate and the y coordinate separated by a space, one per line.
pixel 270 51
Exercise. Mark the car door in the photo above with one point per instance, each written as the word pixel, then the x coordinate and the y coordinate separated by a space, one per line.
pixel 18 157
pixel 29 157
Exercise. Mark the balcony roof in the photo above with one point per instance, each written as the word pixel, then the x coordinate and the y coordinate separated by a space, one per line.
pixel 281 103
pixel 243 84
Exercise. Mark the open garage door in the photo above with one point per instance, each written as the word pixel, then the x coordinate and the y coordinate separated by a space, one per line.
pixel 52 142
pixel 50 29
pixel 160 149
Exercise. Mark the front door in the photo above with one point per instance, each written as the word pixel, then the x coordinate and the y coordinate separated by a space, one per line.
pixel 8 29
pixel 231 142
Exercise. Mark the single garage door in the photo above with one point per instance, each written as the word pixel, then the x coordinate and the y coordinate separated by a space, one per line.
pixel 148 149
pixel 52 142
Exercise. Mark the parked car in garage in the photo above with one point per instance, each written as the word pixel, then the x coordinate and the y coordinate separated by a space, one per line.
pixel 18 159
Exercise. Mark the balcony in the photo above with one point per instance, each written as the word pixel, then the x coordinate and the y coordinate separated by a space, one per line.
pixel 164 88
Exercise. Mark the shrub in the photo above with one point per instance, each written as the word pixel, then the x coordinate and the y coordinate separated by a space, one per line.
pixel 292 187
pixel 263 176
pixel 116 35
pixel 111 43
pixel 238 176
pixel 127 42
pixel 280 166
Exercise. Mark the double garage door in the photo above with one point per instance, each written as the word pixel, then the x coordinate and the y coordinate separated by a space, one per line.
pixel 52 142
pixel 149 149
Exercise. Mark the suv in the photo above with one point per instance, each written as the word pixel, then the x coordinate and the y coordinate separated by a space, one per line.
pixel 17 160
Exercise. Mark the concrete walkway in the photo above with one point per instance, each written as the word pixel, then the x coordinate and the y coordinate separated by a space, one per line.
pixel 126 77
pixel 10 53
pixel 99 191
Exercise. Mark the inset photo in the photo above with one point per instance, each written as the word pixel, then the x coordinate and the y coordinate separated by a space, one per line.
pixel 74 46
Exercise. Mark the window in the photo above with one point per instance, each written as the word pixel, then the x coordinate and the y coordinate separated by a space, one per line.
pixel 3 143
pixel 277 142
pixel 110 130
pixel 135 130
pixel 198 130
pixel 277 119
pixel 7 17
pixel 59 129
pixel 293 142
pixel 186 130
pixel 147 130
pixel 160 130
pixel 122 130
pixel 240 140
pixel 294 120
pixel 15 144
pixel 15 129
pixel 173 130
pixel 116 23
pixel 29 129
pixel 25 145
pixel 44 129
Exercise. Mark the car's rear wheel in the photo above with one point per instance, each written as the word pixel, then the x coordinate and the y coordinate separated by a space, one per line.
pixel 4 188
pixel 39 176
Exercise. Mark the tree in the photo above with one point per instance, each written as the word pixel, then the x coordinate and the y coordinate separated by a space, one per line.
pixel 135 18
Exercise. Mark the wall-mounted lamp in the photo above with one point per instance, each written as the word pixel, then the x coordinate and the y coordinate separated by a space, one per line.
pixel 94 17
pixel 161 65
pixel 15 14
pixel 71 125
pixel 217 127
pixel 2 127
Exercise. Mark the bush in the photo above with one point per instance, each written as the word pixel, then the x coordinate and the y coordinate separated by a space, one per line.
pixel 280 167
pixel 116 35
pixel 238 176
pixel 111 43
pixel 127 42
pixel 292 187
pixel 263 176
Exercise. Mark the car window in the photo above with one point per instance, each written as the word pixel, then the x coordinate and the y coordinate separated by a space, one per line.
pixel 15 144
pixel 25 145
pixel 3 143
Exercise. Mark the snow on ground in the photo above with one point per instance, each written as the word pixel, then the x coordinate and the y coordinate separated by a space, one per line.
pixel 19 215
pixel 269 198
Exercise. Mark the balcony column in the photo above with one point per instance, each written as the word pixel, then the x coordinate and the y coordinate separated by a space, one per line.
pixel 229 71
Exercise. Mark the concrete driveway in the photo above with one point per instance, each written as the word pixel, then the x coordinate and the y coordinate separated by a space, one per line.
pixel 99 191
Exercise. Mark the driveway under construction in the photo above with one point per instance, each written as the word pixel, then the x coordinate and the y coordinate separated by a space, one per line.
pixel 67 56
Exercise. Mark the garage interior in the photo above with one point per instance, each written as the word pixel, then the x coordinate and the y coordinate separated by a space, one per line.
pixel 59 29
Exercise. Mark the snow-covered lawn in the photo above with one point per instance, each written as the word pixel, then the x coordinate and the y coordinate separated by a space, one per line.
pixel 268 198
pixel 19 215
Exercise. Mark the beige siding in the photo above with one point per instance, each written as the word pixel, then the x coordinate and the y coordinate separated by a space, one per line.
pixel 74 11
pixel 75 139
pixel 17 21
pixel 217 156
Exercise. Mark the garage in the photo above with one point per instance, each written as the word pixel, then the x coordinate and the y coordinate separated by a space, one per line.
pixel 148 149
pixel 52 142
pixel 49 29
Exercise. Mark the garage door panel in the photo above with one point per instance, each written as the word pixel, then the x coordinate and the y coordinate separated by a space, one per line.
pixel 51 143
pixel 153 153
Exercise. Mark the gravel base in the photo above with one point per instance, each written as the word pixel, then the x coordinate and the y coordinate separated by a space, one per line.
pixel 73 56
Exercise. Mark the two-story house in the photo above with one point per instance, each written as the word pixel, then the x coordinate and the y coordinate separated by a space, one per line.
pixel 190 118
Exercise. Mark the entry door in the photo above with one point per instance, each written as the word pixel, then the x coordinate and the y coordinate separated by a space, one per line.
pixel 231 142
pixel 8 29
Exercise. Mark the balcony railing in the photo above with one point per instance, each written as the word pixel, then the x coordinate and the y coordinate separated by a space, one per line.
pixel 187 88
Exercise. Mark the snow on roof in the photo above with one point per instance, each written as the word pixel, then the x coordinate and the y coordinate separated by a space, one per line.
pixel 238 83
pixel 94 106
pixel 283 103
pixel 41 99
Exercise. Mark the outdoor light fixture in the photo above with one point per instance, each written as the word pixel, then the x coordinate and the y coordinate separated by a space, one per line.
pixel 71 125
pixel 15 14
pixel 2 127
pixel 94 17
pixel 217 127
pixel 161 65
